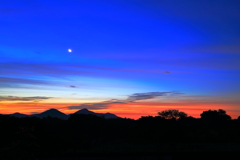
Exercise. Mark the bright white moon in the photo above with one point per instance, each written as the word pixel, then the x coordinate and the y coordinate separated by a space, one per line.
pixel 69 50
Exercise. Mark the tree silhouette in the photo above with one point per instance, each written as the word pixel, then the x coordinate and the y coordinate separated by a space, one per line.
pixel 215 115
pixel 172 114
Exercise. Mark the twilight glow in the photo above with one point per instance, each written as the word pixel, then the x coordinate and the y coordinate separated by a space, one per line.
pixel 131 58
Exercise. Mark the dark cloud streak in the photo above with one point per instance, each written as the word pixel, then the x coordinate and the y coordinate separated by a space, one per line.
pixel 148 95
pixel 16 98
pixel 132 98
pixel 54 69
pixel 22 80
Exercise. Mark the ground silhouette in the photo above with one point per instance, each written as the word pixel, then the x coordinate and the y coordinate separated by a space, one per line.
pixel 80 134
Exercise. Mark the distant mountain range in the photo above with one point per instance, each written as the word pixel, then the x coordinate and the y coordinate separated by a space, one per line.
pixel 105 115
pixel 56 113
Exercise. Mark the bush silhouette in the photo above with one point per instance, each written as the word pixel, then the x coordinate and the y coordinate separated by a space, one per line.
pixel 215 115
pixel 172 114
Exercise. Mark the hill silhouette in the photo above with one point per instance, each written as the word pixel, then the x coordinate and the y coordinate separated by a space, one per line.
pixel 105 115
pixel 52 113
pixel 57 114
pixel 18 115
pixel 87 133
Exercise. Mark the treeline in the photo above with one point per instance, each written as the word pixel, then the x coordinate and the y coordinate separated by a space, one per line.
pixel 31 136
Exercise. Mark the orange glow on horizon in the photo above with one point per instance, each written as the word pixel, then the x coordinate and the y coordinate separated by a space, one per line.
pixel 29 108
pixel 133 110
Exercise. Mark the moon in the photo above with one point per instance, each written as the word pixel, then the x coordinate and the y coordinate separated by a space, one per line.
pixel 69 50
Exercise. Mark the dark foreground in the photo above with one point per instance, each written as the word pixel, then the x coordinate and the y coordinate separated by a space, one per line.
pixel 159 156
pixel 89 137
pixel 201 151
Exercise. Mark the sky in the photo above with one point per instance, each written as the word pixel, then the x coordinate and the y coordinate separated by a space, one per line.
pixel 131 58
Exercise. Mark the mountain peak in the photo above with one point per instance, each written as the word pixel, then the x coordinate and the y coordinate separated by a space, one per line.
pixel 53 110
pixel 53 113
pixel 84 109
pixel 105 115
pixel 19 115
pixel 16 113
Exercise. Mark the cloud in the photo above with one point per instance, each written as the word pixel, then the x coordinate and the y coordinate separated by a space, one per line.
pixel 35 112
pixel 16 98
pixel 24 83
pixel 40 69
pixel 176 93
pixel 72 86
pixel 22 80
pixel 148 95
pixel 100 105
pixel 57 69
pixel 132 98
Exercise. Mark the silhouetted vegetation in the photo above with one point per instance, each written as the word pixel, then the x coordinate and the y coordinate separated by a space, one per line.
pixel 23 138
pixel 214 115
pixel 172 113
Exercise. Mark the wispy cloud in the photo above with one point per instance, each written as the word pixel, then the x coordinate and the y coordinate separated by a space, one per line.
pixel 22 80
pixel 131 98
pixel 16 98
pixel 143 96
pixel 56 69
pixel 24 83
pixel 100 105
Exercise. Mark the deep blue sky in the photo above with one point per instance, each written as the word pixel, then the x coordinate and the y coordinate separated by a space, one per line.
pixel 120 48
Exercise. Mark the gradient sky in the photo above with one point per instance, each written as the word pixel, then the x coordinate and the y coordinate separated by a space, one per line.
pixel 132 58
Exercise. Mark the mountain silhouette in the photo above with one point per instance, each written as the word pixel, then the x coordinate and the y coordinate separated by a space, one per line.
pixel 110 115
pixel 105 115
pixel 52 113
pixel 18 115
pixel 84 111
pixel 57 114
